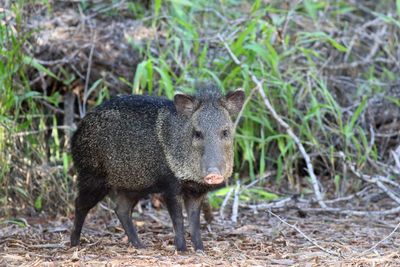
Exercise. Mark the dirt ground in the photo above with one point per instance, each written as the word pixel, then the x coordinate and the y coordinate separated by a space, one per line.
pixel 256 240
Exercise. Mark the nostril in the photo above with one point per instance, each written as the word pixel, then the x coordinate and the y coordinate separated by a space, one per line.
pixel 214 179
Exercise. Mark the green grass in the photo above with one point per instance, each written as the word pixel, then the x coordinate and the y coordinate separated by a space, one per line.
pixel 35 164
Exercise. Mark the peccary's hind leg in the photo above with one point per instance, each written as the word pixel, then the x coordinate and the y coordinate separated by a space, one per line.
pixel 87 199
pixel 193 207
pixel 174 206
pixel 125 202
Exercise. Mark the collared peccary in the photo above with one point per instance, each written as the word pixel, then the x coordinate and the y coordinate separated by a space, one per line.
pixel 134 145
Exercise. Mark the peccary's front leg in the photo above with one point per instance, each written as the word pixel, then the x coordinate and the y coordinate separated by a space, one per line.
pixel 193 207
pixel 174 206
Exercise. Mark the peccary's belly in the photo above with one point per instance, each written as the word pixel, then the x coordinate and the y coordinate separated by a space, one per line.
pixel 138 176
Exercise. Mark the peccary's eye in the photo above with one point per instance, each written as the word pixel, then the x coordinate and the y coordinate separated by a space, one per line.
pixel 225 133
pixel 197 135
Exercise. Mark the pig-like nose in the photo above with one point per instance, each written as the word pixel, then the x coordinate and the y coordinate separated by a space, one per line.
pixel 213 176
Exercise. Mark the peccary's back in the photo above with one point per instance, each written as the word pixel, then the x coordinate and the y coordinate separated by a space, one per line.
pixel 118 142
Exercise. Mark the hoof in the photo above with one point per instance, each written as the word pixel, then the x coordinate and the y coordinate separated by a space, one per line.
pixel 74 243
pixel 137 245
pixel 181 249
pixel 200 252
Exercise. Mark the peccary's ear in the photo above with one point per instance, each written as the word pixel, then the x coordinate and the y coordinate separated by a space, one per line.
pixel 184 104
pixel 234 101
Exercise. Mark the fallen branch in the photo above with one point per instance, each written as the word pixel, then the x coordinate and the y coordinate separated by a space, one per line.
pixel 48 246
pixel 304 205
pixel 235 206
pixel 378 180
pixel 381 241
pixel 310 168
pixel 89 68
pixel 255 181
pixel 155 218
pixel 289 131
pixel 52 108
pixel 226 199
pixel 349 197
pixel 25 133
pixel 305 236
pixel 276 204
pixel 239 116
pixel 354 212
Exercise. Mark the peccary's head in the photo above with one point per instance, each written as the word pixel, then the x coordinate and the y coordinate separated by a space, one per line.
pixel 201 135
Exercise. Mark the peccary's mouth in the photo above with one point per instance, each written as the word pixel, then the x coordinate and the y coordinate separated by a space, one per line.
pixel 213 178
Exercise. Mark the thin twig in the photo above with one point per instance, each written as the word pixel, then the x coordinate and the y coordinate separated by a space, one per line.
pixel 65 60
pixel 252 183
pixel 48 245
pixel 61 127
pixel 396 157
pixel 106 9
pixel 356 64
pixel 85 94
pixel 354 212
pixel 155 218
pixel 275 204
pixel 211 10
pixel 304 235
pixel 235 206
pixel 373 179
pixel 224 203
pixel 52 108
pixel 239 116
pixel 287 20
pixel 106 208
pixel 310 168
pixel 304 205
pixel 383 240
pixel 349 197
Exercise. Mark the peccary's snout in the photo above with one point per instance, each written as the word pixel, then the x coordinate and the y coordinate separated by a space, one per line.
pixel 214 160
pixel 214 176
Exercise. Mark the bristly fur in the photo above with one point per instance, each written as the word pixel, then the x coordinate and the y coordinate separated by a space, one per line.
pixel 135 145
pixel 207 91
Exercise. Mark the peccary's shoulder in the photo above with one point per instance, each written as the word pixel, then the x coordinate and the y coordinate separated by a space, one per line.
pixel 136 103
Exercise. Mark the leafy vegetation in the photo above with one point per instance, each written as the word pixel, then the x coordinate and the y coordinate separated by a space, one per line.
pixel 303 52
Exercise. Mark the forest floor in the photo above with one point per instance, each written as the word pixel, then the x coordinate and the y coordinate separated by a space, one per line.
pixel 256 240
pixel 357 64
